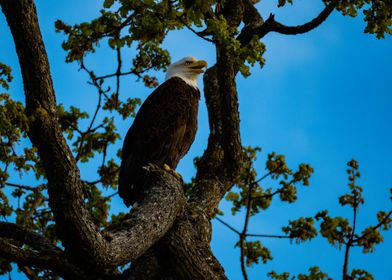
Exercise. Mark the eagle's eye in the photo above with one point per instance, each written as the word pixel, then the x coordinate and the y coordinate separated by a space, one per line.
pixel 188 62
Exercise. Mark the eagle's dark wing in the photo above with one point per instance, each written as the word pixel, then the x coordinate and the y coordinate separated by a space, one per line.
pixel 162 132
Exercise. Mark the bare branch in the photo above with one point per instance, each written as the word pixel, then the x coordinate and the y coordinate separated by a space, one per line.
pixel 253 234
pixel 199 34
pixel 227 225
pixel 132 72
pixel 23 187
pixel 271 25
pixel 244 232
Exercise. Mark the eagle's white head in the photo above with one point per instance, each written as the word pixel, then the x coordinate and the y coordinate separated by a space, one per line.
pixel 187 69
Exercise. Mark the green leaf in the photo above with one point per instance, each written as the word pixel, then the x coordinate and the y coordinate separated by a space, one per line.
pixel 108 3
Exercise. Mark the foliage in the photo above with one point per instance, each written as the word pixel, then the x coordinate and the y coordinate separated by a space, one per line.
pixel 314 274
pixel 261 197
pixel 5 75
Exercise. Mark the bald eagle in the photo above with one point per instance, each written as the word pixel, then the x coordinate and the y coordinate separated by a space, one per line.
pixel 163 129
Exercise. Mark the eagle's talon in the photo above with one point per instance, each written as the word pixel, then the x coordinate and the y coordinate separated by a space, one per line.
pixel 172 171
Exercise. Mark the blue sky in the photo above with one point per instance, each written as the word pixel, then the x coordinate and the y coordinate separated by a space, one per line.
pixel 322 98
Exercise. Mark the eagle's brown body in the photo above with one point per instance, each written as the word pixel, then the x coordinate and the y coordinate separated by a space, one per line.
pixel 162 133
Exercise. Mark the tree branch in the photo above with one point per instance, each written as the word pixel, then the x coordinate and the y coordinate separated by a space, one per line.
pixel 23 187
pixel 373 228
pixel 48 259
pixel 271 25
pixel 253 234
pixel 219 166
pixel 25 236
pixel 150 220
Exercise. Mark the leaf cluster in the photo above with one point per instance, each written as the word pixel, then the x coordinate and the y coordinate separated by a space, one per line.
pixel 378 14
pixel 314 274
pixel 5 75
pixel 254 251
pixel 249 187
pixel 338 230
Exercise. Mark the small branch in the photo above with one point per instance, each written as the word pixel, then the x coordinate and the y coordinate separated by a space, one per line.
pixel 373 228
pixel 119 64
pixel 23 187
pixel 272 194
pixel 253 234
pixel 133 72
pixel 111 195
pixel 118 74
pixel 36 203
pixel 92 182
pixel 199 34
pixel 99 180
pixel 270 236
pixel 350 240
pixel 227 225
pixel 245 230
pixel 261 179
pixel 98 107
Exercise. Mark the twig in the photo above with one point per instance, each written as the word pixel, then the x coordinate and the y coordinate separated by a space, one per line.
pixel 23 187
pixel 373 228
pixel 111 195
pixel 262 178
pixel 252 234
pixel 119 64
pixel 28 188
pixel 350 240
pixel 227 225
pixel 244 231
pixel 193 30
pixel 100 93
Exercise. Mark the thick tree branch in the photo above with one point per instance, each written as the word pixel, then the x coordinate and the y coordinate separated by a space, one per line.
pixel 218 168
pixel 46 259
pixel 260 29
pixel 185 251
pixel 83 242
pixel 150 220
pixel 78 234
pixel 219 165
pixel 25 236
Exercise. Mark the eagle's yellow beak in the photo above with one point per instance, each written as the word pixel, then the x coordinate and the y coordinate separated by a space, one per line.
pixel 197 66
